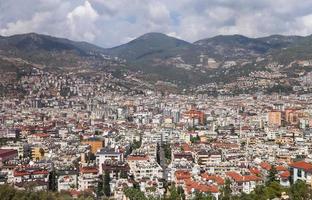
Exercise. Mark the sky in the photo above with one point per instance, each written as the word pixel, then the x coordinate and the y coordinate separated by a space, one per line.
pixel 108 23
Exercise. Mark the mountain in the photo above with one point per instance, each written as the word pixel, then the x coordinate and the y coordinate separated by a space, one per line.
pixel 53 53
pixel 166 58
pixel 239 46
pixel 301 49
pixel 38 42
pixel 280 41
pixel 233 46
pixel 158 56
pixel 147 44
pixel 155 56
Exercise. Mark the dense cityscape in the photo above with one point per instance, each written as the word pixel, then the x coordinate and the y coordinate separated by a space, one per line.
pixel 70 134
pixel 155 100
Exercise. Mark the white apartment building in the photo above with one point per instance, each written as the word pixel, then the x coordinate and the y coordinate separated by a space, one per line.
pixel 144 167
pixel 106 154
pixel 88 178
pixel 67 180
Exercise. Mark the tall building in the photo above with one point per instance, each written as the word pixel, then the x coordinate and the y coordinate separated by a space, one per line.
pixel 195 117
pixel 88 178
pixel 292 116
pixel 275 118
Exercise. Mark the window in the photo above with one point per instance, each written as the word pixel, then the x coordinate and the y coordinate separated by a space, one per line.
pixel 305 175
pixel 299 172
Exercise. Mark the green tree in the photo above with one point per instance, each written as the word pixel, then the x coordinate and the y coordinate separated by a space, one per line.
pixel 273 190
pixel 195 139
pixel 7 192
pixel 135 194
pixel 123 174
pixel 174 195
pixel 259 192
pixel 202 196
pixel 52 181
pixel 272 175
pixel 106 185
pixel 181 192
pixel 85 196
pixel 226 191
pixel 300 191
pixel 245 196
pixel 100 187
pixel 167 150
pixel 136 144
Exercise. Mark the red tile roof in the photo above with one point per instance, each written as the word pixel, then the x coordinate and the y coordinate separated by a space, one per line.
pixel 302 165
pixel 186 147
pixel 86 170
pixel 285 174
pixel 21 173
pixel 265 165
pixel 182 175
pixel 219 180
pixel 24 172
pixel 280 168
pixel 239 178
pixel 255 171
pixel 40 172
pixel 251 178
pixel 190 184
pixel 235 176
pixel 7 153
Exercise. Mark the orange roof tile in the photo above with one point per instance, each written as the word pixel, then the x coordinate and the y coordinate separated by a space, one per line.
pixel 21 173
pixel 235 176
pixel 85 170
pixel 251 178
pixel 239 178
pixel 190 184
pixel 40 172
pixel 219 180
pixel 186 147
pixel 182 175
pixel 265 165
pixel 302 165
pixel 280 168
pixel 255 171
pixel 285 174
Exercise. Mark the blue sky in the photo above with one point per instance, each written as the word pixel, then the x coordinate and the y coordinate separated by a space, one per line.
pixel 109 23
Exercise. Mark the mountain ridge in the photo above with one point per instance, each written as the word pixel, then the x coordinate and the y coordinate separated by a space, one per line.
pixel 157 55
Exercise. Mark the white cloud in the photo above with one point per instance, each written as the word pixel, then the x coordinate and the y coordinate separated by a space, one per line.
pixel 159 12
pixel 81 22
pixel 174 34
pixel 22 26
pixel 307 24
pixel 112 22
